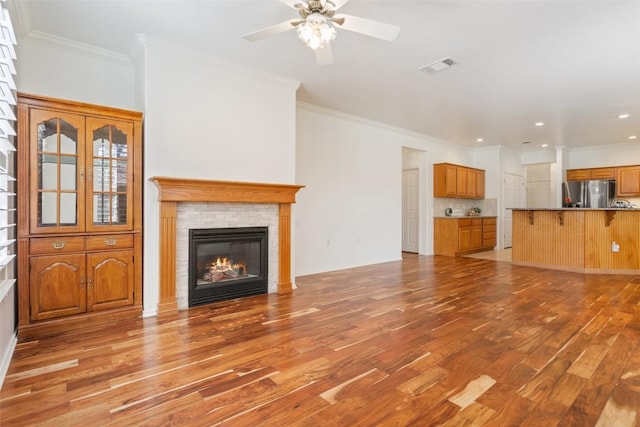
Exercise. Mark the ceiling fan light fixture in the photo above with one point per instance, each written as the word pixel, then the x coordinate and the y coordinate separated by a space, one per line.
pixel 316 31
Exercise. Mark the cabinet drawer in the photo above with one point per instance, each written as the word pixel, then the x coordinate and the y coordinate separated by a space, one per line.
pixel 50 245
pixel 116 241
pixel 464 222
pixel 489 221
pixel 489 228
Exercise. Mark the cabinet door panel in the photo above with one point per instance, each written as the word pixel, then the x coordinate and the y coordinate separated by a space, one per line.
pixel 450 181
pixel 628 182
pixel 476 237
pixel 464 239
pixel 461 183
pixel 57 286
pixel 603 173
pixel 471 183
pixel 57 172
pixel 110 280
pixel 578 174
pixel 480 184
pixel 110 195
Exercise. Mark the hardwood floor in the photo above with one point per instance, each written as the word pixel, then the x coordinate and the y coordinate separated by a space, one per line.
pixel 426 341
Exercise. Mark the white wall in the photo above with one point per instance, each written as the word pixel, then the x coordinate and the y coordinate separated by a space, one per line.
pixel 350 213
pixel 603 156
pixel 60 72
pixel 209 119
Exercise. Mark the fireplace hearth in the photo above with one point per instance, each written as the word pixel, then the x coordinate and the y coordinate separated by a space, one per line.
pixel 227 263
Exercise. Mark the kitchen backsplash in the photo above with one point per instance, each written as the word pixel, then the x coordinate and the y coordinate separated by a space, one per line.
pixel 488 207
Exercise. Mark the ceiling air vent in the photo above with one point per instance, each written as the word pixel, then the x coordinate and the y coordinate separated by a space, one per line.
pixel 439 65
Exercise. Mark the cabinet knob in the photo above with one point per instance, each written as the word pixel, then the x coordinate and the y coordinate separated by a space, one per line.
pixel 90 282
pixel 110 242
pixel 58 244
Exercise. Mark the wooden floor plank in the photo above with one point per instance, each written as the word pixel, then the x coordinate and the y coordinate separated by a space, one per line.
pixel 422 341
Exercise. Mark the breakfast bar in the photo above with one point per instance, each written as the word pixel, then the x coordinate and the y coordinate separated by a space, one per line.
pixel 605 241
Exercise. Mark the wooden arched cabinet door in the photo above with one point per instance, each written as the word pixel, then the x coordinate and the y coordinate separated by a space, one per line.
pixel 110 280
pixel 57 286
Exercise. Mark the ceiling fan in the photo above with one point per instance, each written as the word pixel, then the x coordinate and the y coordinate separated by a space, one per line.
pixel 317 26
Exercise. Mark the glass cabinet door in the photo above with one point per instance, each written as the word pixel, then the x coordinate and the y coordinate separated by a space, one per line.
pixel 109 190
pixel 58 175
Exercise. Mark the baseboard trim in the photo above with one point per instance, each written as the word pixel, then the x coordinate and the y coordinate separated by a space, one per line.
pixel 6 358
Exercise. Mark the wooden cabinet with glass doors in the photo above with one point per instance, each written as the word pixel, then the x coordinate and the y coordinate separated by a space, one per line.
pixel 79 214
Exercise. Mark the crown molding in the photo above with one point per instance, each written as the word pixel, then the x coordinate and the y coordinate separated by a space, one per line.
pixel 77 47
pixel 21 19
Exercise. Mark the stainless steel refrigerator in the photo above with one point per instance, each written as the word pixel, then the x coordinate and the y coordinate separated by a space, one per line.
pixel 588 194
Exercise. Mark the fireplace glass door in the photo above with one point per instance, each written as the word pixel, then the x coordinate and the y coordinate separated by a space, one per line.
pixel 227 263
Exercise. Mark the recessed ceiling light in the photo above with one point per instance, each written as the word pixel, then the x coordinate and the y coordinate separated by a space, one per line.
pixel 539 124
pixel 623 116
pixel 632 137
pixel 479 140
pixel 545 145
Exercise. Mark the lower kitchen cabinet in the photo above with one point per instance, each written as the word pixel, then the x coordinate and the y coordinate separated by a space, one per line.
pixel 457 236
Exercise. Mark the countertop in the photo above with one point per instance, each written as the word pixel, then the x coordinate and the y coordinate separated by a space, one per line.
pixel 467 216
pixel 575 209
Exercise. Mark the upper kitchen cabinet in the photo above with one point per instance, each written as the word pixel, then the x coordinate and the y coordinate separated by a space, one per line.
pixel 457 181
pixel 628 181
pixel 593 173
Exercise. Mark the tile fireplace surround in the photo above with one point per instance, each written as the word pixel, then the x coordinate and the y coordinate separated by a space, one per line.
pixel 172 191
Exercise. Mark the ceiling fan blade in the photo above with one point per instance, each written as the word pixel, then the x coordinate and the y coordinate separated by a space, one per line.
pixel 324 55
pixel 371 28
pixel 272 30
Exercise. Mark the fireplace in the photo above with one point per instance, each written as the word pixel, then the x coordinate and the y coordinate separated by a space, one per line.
pixel 227 263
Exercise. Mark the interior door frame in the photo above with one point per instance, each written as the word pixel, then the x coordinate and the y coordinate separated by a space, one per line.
pixel 417 198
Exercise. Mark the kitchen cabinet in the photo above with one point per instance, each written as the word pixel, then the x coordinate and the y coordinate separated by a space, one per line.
pixel 457 181
pixel 79 213
pixel 457 236
pixel 489 233
pixel 461 182
pixel 628 181
pixel 593 173
pixel 479 184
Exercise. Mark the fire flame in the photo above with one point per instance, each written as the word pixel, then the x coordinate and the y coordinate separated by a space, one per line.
pixel 223 264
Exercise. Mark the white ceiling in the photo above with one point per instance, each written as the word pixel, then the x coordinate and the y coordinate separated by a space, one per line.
pixel 572 64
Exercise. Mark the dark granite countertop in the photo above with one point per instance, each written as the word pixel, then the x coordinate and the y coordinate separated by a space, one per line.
pixel 466 216
pixel 575 209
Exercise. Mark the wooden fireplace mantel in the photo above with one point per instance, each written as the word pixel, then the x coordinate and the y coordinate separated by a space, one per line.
pixel 176 190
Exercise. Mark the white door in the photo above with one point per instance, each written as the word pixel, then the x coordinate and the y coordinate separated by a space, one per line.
pixel 513 198
pixel 410 207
